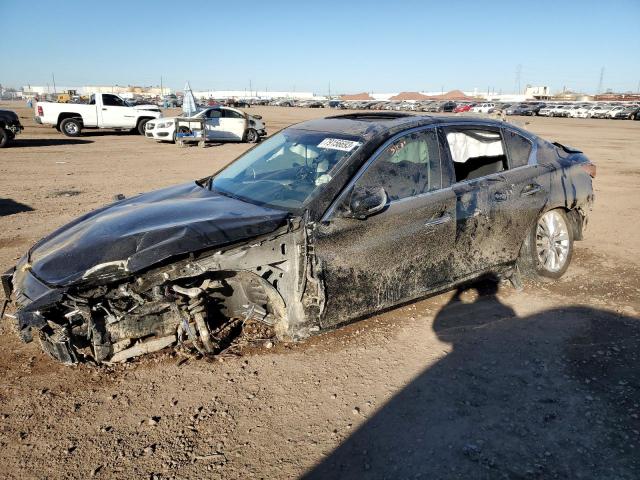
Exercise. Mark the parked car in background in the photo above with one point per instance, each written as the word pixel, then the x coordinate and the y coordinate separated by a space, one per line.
pixel 104 110
pixel 484 108
pixel 549 110
pixel 560 110
pixel 614 110
pixel 501 106
pixel 171 101
pixel 336 104
pixel 291 238
pixel 528 109
pixel 10 126
pixel 626 113
pixel 221 123
pixel 315 104
pixel 463 107
pixel 600 111
pixel 581 112
pixel 447 107
pixel 237 102
pixel 568 110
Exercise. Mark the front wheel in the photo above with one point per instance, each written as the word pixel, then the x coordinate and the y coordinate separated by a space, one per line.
pixel 142 126
pixel 548 248
pixel 5 138
pixel 251 136
pixel 71 127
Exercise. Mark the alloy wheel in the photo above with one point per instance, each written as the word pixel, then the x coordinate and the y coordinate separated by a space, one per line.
pixel 552 241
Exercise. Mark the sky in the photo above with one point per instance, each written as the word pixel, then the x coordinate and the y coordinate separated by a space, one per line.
pixel 347 46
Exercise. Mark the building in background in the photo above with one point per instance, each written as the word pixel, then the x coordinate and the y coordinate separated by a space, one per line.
pixel 618 97
pixel 537 93
pixel 243 94
pixel 129 91
pixel 569 96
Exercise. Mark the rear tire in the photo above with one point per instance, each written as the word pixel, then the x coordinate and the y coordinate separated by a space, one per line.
pixel 5 138
pixel 547 250
pixel 142 126
pixel 71 127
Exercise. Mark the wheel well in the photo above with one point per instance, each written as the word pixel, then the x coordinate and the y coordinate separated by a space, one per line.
pixel 576 220
pixel 575 217
pixel 65 115
pixel 143 118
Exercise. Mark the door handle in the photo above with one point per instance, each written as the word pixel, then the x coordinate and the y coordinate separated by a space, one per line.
pixel 104 109
pixel 531 189
pixel 438 221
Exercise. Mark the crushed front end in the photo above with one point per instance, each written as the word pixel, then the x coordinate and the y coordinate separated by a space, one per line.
pixel 241 295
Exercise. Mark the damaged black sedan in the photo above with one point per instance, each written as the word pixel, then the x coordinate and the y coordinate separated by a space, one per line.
pixel 325 222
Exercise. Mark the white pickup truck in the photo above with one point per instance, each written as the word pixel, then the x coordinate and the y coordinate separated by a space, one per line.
pixel 104 110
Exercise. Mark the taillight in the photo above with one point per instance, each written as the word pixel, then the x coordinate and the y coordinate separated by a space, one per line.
pixel 40 112
pixel 590 168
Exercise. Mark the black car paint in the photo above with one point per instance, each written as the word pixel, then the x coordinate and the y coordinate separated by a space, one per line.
pixel 378 259
pixel 147 229
pixel 10 123
pixel 342 268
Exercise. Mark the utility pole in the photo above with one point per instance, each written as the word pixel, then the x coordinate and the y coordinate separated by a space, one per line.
pixel 518 76
pixel 329 89
pixel 161 87
pixel 601 79
pixel 250 88
pixel 54 83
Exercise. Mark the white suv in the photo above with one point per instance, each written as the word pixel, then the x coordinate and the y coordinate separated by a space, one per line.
pixel 221 123
pixel 484 108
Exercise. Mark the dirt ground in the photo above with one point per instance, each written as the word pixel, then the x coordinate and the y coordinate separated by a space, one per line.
pixel 483 383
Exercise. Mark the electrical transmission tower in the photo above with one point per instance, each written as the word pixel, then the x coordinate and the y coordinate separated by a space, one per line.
pixel 518 75
pixel 601 79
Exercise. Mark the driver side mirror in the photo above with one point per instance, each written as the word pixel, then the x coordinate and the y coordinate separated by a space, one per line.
pixel 367 201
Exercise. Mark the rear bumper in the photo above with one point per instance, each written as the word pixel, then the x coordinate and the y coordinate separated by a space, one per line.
pixel 37 120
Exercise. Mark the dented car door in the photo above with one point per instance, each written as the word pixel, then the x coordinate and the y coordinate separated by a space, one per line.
pixel 400 252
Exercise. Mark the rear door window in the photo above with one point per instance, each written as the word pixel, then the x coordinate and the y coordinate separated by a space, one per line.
pixel 518 148
pixel 231 114
pixel 476 152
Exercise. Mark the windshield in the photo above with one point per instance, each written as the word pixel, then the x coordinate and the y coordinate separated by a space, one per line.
pixel 287 170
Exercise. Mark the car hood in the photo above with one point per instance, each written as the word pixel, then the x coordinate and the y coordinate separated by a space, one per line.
pixel 136 233
pixel 9 115
pixel 154 108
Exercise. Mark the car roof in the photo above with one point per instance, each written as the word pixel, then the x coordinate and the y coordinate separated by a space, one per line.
pixel 370 124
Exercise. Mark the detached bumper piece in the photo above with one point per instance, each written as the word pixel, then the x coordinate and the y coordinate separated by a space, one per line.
pixel 5 279
pixel 57 343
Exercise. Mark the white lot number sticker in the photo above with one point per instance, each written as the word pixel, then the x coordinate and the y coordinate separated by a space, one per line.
pixel 338 144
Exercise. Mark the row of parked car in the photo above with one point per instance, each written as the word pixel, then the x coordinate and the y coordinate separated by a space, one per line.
pixel 592 110
pixel 573 110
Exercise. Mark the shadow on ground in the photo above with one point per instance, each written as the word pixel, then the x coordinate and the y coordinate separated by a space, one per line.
pixel 10 207
pixel 47 142
pixel 552 395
